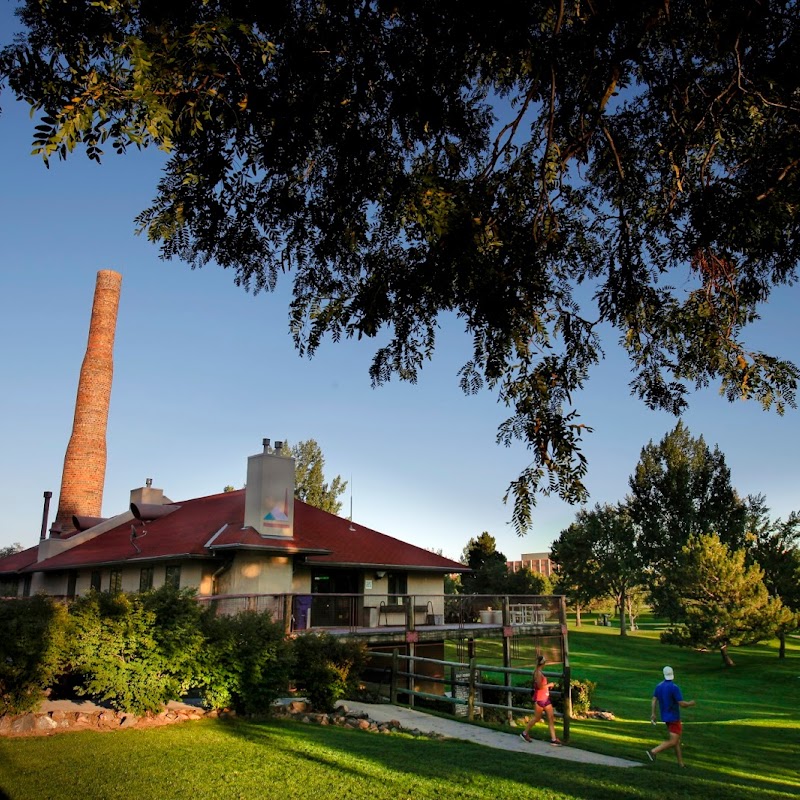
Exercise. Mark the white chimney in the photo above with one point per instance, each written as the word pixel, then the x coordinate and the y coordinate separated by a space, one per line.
pixel 269 496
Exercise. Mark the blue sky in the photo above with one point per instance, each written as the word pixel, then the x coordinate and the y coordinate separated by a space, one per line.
pixel 204 371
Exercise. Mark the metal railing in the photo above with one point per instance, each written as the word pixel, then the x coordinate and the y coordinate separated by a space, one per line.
pixel 353 612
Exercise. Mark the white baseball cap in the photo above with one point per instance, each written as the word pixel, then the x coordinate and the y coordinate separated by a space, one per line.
pixel 669 675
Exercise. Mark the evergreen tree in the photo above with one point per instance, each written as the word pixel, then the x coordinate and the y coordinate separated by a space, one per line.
pixel 310 485
pixel 724 603
pixel 489 572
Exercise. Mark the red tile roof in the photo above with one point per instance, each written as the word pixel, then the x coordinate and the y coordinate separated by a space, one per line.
pixel 18 561
pixel 207 524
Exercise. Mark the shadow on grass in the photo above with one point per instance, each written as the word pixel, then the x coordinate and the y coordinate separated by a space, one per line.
pixel 459 764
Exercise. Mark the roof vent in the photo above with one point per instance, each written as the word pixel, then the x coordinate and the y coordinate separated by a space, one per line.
pixel 147 512
pixel 84 523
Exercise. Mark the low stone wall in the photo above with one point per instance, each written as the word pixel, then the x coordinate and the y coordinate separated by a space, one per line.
pixel 45 723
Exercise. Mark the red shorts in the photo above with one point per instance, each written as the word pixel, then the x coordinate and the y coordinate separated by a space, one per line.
pixel 675 727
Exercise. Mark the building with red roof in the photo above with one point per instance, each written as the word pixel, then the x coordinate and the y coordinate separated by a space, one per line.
pixel 257 542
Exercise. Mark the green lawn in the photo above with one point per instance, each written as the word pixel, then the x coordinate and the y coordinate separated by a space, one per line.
pixel 742 738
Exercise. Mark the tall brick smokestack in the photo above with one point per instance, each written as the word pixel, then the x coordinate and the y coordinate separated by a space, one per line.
pixel 85 461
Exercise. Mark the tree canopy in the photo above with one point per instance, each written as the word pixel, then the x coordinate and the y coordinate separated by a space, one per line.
pixel 543 170
pixel 310 485
pixel 680 488
pixel 724 602
pixel 489 571
pixel 597 555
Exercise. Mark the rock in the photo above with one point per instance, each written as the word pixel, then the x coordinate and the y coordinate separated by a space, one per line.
pixel 26 723
pixel 45 723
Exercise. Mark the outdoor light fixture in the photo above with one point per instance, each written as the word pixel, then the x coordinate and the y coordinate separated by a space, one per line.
pixel 380 574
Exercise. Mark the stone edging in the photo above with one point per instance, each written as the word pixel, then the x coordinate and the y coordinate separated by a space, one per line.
pixel 45 723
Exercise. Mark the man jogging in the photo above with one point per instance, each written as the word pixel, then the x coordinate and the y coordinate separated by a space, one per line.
pixel 670 702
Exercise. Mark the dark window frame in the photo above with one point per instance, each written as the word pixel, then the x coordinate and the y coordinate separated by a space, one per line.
pixel 145 579
pixel 172 576
pixel 397 586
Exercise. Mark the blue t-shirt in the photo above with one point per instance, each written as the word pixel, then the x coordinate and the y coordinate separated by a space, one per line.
pixel 668 695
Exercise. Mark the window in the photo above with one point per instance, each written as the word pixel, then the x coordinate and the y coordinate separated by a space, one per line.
pixel 115 580
pixel 173 576
pixel 9 587
pixel 398 586
pixel 146 579
pixel 72 579
pixel 94 580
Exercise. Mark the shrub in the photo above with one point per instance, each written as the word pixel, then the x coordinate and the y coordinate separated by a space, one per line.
pixel 114 655
pixel 178 635
pixel 31 651
pixel 581 695
pixel 246 663
pixel 327 668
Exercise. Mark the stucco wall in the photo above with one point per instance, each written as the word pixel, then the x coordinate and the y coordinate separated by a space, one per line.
pixel 252 573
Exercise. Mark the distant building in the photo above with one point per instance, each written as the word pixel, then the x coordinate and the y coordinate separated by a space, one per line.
pixel 535 562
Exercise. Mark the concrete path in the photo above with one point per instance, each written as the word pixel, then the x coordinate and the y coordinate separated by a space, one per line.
pixel 453 729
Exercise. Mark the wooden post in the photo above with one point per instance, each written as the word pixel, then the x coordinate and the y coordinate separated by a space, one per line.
pixel 507 665
pixel 287 612
pixel 412 670
pixel 471 696
pixel 393 680
pixel 453 687
pixel 567 675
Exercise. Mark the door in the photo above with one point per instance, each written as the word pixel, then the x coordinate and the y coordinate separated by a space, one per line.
pixel 334 598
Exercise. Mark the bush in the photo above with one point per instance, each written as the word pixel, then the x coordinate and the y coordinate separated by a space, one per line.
pixel 31 651
pixel 327 668
pixel 114 655
pixel 246 663
pixel 178 635
pixel 581 695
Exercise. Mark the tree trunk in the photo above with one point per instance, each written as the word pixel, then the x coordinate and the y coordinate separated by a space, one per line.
pixel 726 658
pixel 781 644
pixel 623 628
pixel 577 615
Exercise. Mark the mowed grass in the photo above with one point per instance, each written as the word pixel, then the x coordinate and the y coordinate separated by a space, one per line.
pixel 743 738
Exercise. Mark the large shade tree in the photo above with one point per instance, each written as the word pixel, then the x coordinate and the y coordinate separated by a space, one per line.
pixel 774 544
pixel 680 488
pixel 597 555
pixel 539 169
pixel 489 571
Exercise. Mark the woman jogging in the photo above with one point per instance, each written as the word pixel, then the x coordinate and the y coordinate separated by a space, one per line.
pixel 541 703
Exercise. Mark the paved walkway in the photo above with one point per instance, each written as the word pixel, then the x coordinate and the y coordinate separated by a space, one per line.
pixel 510 742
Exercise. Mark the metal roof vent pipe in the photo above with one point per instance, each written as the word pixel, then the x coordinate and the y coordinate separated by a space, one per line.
pixel 147 512
pixel 45 514
pixel 84 523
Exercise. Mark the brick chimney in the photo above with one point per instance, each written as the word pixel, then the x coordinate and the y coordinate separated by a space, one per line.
pixel 85 461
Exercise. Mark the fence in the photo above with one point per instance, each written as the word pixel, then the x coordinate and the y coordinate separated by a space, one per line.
pixel 467 685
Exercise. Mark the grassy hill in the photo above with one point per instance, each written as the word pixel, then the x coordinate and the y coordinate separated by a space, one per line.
pixel 742 739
